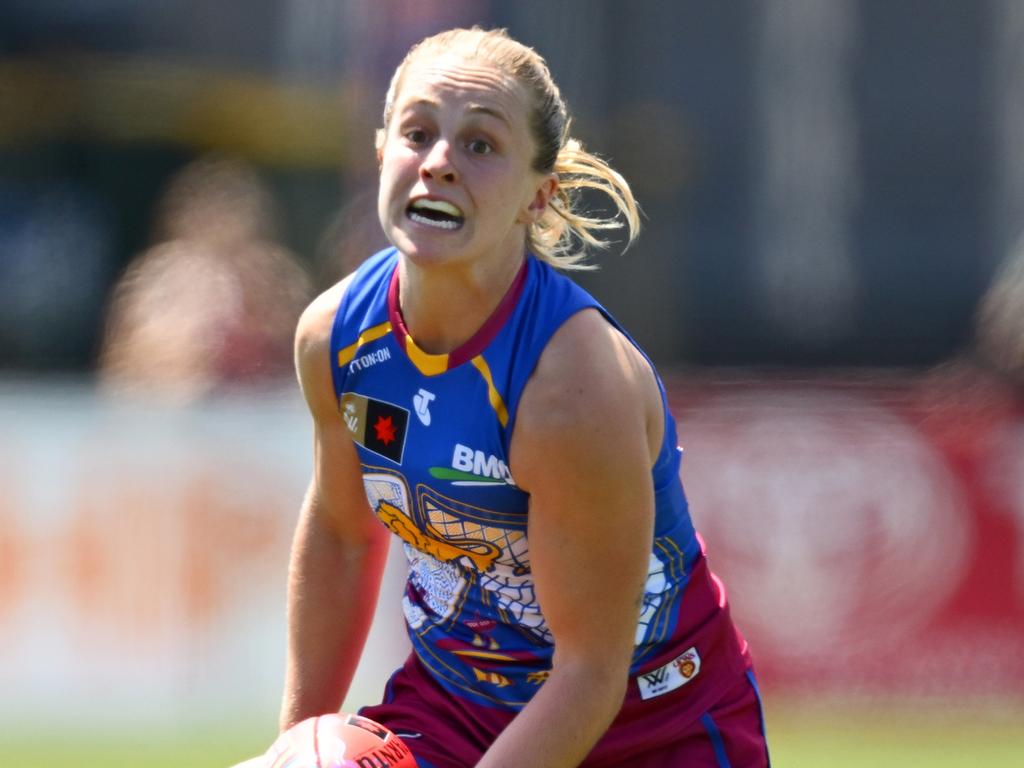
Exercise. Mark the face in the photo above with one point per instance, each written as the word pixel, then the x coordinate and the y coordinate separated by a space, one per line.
pixel 456 182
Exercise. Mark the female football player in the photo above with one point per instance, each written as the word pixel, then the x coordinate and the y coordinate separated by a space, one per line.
pixel 470 399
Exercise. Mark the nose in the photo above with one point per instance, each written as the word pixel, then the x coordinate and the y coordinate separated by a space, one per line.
pixel 437 164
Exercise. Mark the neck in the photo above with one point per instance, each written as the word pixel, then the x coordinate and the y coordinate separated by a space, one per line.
pixel 443 307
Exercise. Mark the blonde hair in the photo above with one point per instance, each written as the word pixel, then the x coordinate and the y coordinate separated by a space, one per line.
pixel 564 232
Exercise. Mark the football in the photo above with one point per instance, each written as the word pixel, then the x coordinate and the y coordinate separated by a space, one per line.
pixel 338 741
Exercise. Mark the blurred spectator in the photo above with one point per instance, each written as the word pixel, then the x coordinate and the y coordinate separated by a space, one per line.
pixel 214 302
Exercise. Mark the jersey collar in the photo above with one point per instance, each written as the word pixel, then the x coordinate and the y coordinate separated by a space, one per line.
pixel 431 364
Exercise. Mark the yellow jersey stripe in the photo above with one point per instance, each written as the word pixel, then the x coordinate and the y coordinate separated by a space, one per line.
pixel 495 397
pixel 489 655
pixel 428 364
pixel 346 355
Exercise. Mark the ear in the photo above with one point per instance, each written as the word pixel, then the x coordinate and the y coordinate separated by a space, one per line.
pixel 378 139
pixel 535 207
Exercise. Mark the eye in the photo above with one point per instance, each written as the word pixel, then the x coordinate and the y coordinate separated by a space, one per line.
pixel 416 136
pixel 479 147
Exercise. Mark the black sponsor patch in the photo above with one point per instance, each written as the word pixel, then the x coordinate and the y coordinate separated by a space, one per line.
pixel 376 425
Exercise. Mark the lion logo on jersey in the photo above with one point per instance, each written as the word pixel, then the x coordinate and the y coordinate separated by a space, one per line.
pixel 686 665
pixel 481 553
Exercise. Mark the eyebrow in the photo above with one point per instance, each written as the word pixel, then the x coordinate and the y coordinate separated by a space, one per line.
pixel 480 109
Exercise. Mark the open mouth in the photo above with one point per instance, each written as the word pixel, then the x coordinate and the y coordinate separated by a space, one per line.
pixel 438 214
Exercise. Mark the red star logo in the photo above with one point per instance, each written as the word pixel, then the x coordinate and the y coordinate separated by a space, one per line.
pixel 385 429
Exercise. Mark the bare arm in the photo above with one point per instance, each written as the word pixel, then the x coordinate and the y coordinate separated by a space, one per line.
pixel 588 429
pixel 339 549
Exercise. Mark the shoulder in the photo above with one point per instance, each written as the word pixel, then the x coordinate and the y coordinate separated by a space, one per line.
pixel 591 382
pixel 313 343
pixel 317 320
pixel 588 361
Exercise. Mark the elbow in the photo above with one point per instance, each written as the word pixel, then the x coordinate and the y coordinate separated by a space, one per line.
pixel 595 681
pixel 611 695
pixel 617 686
pixel 614 681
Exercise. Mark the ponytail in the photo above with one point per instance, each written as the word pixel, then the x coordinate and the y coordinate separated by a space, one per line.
pixel 564 233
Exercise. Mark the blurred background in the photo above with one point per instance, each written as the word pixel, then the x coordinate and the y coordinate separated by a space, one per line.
pixel 831 280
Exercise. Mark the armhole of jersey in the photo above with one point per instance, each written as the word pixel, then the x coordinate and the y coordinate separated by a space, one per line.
pixel 669 436
pixel 669 439
pixel 358 278
pixel 337 374
pixel 667 447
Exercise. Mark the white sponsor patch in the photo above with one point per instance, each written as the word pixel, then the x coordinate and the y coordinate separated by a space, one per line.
pixel 675 674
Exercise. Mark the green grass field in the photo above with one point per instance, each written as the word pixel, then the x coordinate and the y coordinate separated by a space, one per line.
pixel 889 738
pixel 834 737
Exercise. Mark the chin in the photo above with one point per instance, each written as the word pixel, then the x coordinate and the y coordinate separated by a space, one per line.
pixel 422 254
pixel 425 250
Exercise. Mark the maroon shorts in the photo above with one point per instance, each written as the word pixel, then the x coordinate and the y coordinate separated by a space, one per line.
pixel 444 731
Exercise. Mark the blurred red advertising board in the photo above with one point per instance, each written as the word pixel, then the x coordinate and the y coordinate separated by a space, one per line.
pixel 869 526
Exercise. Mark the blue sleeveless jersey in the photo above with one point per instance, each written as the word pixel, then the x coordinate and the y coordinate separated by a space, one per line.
pixel 433 435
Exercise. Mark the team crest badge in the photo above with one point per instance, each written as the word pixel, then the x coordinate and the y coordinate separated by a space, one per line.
pixel 687 664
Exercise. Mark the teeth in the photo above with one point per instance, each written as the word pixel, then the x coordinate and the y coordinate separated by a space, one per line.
pixel 437 224
pixel 440 206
